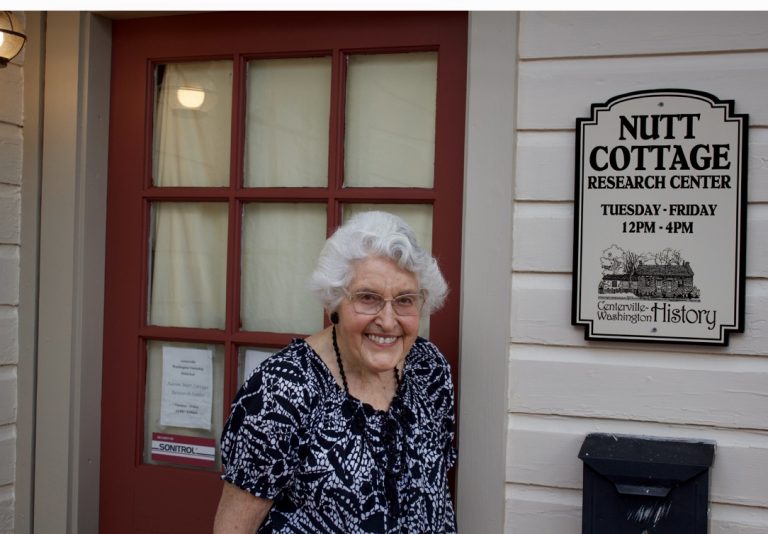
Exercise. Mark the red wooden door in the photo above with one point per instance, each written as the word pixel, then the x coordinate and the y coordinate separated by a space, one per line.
pixel 210 177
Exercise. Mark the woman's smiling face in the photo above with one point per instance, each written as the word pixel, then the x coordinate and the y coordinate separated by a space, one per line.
pixel 377 343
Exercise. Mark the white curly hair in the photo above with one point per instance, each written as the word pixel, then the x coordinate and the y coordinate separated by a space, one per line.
pixel 372 234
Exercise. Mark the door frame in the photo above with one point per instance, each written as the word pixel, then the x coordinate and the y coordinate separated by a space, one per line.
pixel 61 286
pixel 67 74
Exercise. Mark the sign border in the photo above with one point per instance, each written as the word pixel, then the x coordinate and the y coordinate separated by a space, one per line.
pixel 740 290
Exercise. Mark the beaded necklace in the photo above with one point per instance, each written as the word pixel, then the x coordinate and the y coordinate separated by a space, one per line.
pixel 394 460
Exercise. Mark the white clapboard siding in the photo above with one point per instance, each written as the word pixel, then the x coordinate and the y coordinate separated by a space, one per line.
pixel 668 387
pixel 543 238
pixel 7 499
pixel 11 83
pixel 545 166
pixel 558 511
pixel 9 274
pixel 9 327
pixel 590 33
pixel 10 213
pixel 7 394
pixel 726 519
pixel 562 387
pixel 7 454
pixel 532 510
pixel 543 451
pixel 541 314
pixel 10 152
pixel 552 94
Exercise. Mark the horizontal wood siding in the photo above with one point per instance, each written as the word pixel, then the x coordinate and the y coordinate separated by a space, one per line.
pixel 545 165
pixel 11 159
pixel 546 448
pixel 535 509
pixel 590 33
pixel 562 387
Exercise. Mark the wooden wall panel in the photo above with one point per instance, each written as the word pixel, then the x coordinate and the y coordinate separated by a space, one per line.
pixel 541 314
pixel 553 93
pixel 657 386
pixel 562 387
pixel 590 33
pixel 543 451
pixel 543 237
pixel 542 510
pixel 534 510
pixel 11 87
pixel 738 520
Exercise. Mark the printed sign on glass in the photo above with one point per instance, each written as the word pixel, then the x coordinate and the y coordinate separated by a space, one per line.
pixel 660 218
pixel 187 391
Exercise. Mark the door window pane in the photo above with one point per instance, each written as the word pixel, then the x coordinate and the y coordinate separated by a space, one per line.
pixel 418 216
pixel 281 243
pixel 287 123
pixel 193 110
pixel 183 404
pixel 188 261
pixel 390 120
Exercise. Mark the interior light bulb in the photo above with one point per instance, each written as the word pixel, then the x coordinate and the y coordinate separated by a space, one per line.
pixel 2 38
pixel 190 98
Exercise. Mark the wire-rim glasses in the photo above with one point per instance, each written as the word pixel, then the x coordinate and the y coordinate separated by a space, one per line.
pixel 369 303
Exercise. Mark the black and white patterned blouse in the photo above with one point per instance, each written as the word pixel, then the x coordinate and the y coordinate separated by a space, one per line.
pixel 333 464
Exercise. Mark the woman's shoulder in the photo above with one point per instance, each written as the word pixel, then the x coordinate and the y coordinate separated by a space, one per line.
pixel 425 355
pixel 429 374
pixel 428 365
pixel 294 370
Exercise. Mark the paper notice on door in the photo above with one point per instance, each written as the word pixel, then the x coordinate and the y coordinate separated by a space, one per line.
pixel 253 358
pixel 187 394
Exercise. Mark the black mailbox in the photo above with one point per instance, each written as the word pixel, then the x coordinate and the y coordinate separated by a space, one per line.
pixel 642 485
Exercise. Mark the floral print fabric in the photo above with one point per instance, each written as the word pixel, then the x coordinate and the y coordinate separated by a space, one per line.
pixel 333 464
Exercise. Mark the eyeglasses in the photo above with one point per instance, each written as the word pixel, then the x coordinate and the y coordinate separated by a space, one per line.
pixel 372 303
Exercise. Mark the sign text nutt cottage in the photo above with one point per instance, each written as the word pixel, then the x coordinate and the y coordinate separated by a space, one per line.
pixel 660 218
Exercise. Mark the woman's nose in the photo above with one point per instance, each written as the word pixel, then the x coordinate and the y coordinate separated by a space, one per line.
pixel 387 317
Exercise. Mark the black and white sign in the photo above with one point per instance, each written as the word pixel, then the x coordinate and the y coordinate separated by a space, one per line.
pixel 660 218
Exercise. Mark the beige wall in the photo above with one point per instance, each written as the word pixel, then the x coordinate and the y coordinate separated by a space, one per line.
pixel 562 387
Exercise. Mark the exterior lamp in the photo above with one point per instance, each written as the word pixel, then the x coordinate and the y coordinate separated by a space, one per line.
pixel 11 37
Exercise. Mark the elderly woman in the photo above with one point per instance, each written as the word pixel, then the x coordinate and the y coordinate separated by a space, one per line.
pixel 349 430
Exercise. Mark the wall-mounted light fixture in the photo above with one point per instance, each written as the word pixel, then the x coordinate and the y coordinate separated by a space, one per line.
pixel 12 38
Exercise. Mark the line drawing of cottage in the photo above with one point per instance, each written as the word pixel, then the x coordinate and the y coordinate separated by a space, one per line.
pixel 630 275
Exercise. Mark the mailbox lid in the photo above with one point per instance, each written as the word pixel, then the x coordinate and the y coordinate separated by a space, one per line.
pixel 643 465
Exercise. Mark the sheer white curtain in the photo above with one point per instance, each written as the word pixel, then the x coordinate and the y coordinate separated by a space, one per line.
pixel 281 243
pixel 189 264
pixel 289 108
pixel 188 240
pixel 390 120
pixel 191 144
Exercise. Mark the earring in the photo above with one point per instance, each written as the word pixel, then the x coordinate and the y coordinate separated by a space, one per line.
pixel 334 317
